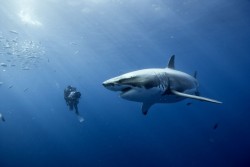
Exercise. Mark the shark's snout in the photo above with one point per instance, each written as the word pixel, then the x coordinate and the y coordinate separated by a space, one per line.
pixel 115 84
pixel 108 84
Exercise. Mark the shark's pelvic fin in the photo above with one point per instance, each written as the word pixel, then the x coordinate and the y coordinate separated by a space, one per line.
pixel 195 97
pixel 171 62
pixel 145 107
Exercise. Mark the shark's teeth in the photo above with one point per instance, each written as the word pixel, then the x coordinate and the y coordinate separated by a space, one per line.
pixel 125 90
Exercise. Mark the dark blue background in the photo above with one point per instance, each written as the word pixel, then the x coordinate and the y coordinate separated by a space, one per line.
pixel 84 42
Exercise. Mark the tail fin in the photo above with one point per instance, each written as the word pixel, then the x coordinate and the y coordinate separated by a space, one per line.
pixel 195 74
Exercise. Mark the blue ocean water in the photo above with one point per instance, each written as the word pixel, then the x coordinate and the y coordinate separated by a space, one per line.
pixel 47 45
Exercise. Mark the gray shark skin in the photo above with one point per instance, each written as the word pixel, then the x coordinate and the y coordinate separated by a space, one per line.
pixel 156 85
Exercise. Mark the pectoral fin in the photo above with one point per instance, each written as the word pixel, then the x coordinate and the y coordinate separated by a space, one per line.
pixel 145 107
pixel 195 97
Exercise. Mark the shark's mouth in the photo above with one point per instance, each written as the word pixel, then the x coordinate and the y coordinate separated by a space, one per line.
pixel 125 90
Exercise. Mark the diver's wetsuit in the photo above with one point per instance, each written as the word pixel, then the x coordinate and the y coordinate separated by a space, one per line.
pixel 71 97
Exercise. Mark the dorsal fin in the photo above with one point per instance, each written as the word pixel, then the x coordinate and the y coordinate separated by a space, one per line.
pixel 171 62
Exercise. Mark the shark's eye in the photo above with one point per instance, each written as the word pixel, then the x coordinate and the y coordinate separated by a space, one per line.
pixel 127 80
pixel 132 81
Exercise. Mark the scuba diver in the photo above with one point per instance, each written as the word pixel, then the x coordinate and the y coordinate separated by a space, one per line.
pixel 72 96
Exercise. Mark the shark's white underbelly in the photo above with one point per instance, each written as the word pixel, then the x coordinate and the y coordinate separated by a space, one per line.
pixel 154 95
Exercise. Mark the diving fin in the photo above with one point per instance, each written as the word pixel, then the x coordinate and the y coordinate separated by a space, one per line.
pixel 195 97
pixel 80 118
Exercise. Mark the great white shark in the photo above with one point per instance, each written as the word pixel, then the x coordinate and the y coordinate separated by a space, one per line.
pixel 157 85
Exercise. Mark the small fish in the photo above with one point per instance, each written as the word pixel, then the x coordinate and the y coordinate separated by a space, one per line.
pixel 13 31
pixel 188 104
pixel 31 57
pixel 14 40
pixel 10 86
pixel 73 43
pixel 2 118
pixel 25 68
pixel 3 65
pixel 25 90
pixel 215 126
pixel 7 46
